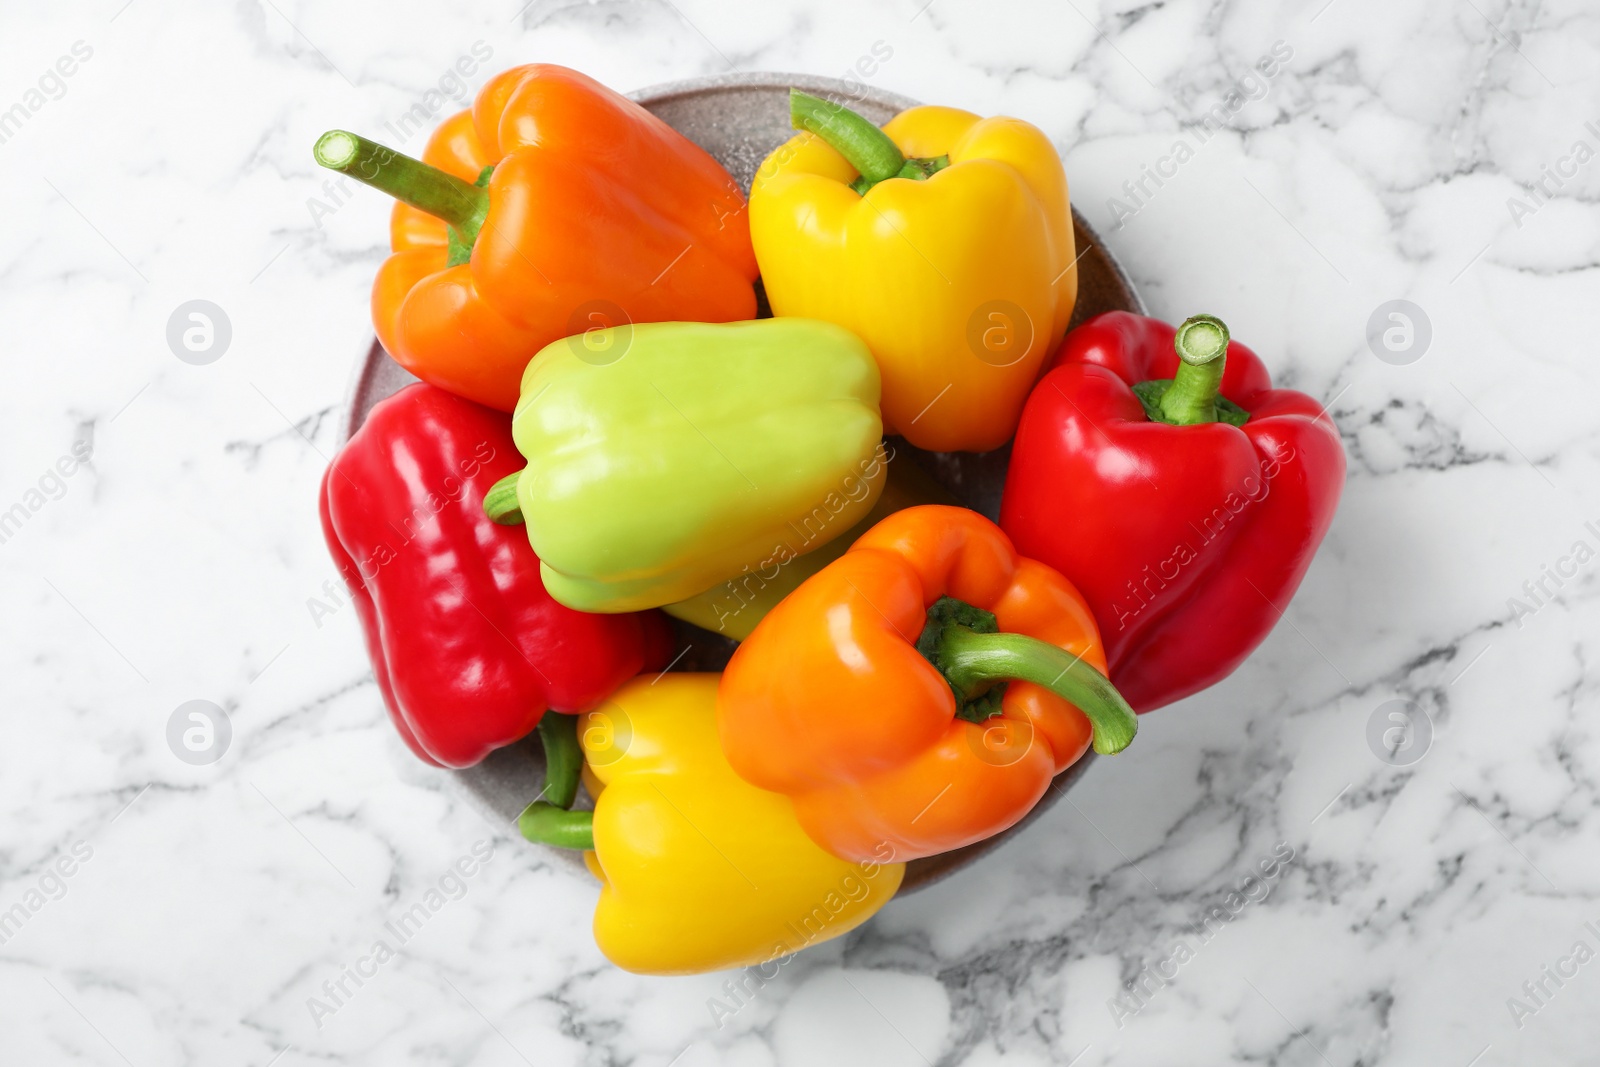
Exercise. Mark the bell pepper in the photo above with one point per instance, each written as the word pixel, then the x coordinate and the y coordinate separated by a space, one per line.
pixel 688 453
pixel 733 608
pixel 699 871
pixel 554 206
pixel 467 648
pixel 955 265
pixel 1164 476
pixel 921 690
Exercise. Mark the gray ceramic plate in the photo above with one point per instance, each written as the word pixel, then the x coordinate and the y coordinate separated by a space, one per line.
pixel 739 119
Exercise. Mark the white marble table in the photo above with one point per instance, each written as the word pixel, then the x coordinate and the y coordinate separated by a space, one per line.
pixel 1389 156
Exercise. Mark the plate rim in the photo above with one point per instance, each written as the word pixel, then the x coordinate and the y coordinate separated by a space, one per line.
pixel 764 79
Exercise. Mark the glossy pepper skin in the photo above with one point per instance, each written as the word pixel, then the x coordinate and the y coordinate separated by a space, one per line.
pixel 596 213
pixel 1187 540
pixel 663 458
pixel 734 607
pixel 467 647
pixel 699 870
pixel 852 699
pixel 961 282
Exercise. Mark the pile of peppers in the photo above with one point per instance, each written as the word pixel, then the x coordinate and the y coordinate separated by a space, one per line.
pixel 605 434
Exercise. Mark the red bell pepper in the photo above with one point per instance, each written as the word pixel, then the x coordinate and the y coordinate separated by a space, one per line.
pixel 1186 518
pixel 467 648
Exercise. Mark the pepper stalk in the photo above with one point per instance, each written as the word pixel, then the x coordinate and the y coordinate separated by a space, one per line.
pixel 1193 396
pixel 1202 344
pixel 550 822
pixel 500 502
pixel 462 205
pixel 965 644
pixel 867 148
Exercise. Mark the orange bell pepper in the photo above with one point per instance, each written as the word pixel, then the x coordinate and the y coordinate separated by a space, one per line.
pixel 920 691
pixel 554 207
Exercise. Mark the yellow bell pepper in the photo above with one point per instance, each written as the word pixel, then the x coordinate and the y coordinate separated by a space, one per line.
pixel 699 870
pixel 944 241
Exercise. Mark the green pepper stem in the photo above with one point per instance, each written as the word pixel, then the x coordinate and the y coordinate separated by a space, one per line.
pixel 972 660
pixel 547 821
pixel 500 502
pixel 425 187
pixel 1202 344
pixel 546 824
pixel 563 757
pixel 867 148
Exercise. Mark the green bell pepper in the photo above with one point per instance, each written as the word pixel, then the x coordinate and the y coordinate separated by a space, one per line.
pixel 732 608
pixel 664 458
